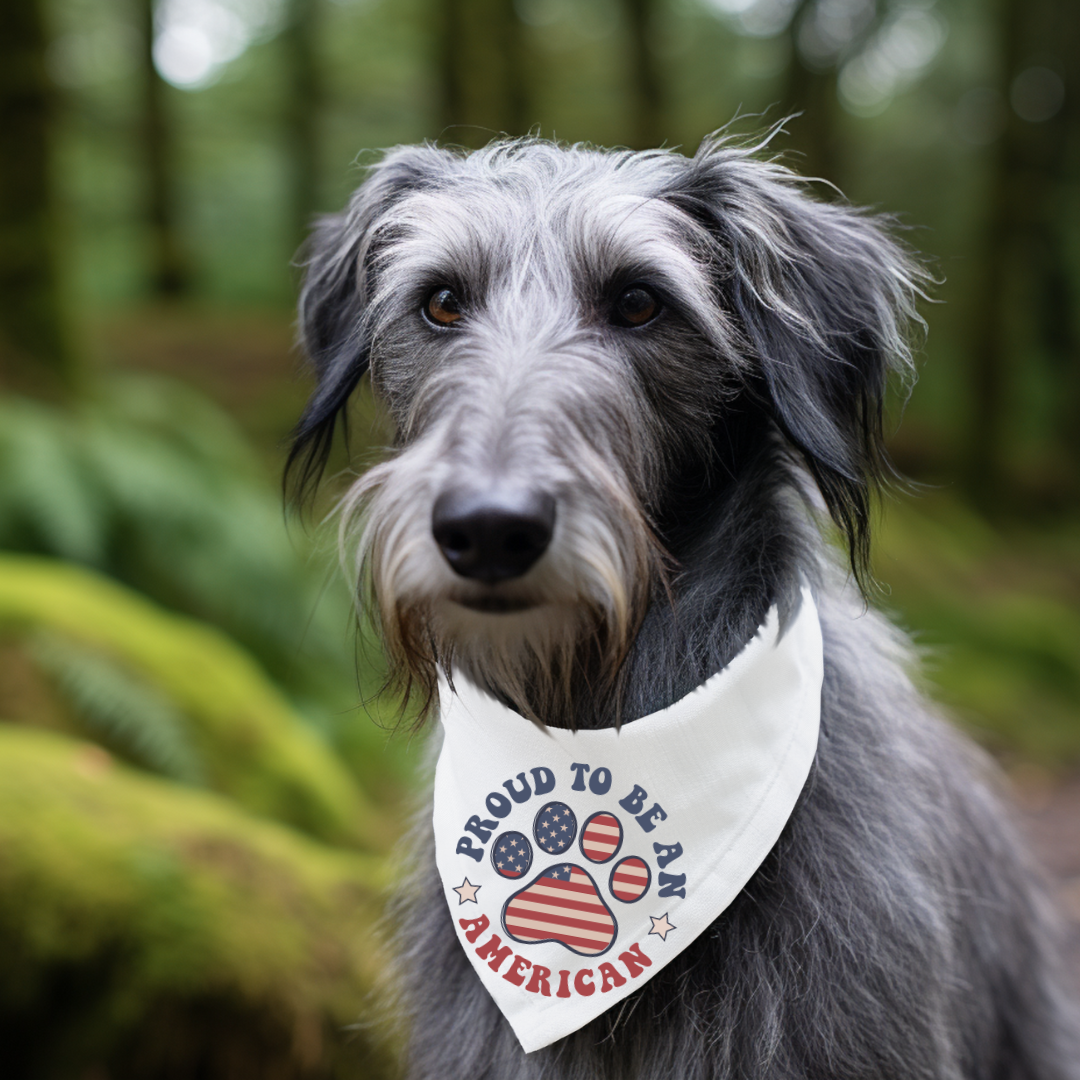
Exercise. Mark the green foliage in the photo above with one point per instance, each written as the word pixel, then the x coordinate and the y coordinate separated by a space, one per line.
pixel 120 710
pixel 147 929
pixel 151 483
pixel 238 729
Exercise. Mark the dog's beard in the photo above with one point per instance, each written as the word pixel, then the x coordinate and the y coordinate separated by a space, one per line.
pixel 548 644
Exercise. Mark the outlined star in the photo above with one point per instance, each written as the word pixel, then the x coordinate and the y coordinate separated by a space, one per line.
pixel 467 891
pixel 660 927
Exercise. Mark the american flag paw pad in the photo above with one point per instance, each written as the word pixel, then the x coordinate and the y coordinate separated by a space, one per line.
pixel 563 904
pixel 511 855
pixel 601 837
pixel 630 879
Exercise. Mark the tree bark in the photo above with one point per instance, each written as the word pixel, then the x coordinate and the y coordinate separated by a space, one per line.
pixel 647 120
pixel 302 111
pixel 34 347
pixel 483 66
pixel 987 480
pixel 1058 314
pixel 169 270
pixel 812 94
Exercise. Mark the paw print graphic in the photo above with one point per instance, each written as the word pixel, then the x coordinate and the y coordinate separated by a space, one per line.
pixel 564 903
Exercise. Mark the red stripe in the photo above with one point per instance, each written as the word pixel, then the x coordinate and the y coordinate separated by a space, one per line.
pixel 601 843
pixel 565 902
pixel 605 819
pixel 592 944
pixel 632 879
pixel 602 932
pixel 560 904
pixel 571 886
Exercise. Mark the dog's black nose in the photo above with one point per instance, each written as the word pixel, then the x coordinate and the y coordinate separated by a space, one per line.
pixel 492 535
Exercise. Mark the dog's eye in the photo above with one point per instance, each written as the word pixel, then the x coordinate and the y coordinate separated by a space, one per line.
pixel 636 307
pixel 443 307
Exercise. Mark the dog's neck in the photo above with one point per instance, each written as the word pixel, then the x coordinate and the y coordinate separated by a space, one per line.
pixel 743 546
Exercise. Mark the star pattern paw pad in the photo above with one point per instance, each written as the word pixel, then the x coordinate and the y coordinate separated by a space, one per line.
pixel 511 855
pixel 555 828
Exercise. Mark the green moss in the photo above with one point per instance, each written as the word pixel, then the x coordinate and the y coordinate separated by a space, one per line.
pixel 131 907
pixel 250 743
pixel 999 621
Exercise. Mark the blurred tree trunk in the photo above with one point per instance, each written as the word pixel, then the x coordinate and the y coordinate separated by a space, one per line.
pixel 811 92
pixel 646 81
pixel 169 272
pixel 1029 244
pixel 990 343
pixel 34 348
pixel 483 71
pixel 1058 312
pixel 302 111
pixel 515 68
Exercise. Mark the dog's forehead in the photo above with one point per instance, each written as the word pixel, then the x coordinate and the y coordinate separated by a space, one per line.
pixel 571 211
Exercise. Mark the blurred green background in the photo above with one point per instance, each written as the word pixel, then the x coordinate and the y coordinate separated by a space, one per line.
pixel 196 807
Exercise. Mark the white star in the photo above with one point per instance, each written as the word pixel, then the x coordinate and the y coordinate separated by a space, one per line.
pixel 661 927
pixel 467 891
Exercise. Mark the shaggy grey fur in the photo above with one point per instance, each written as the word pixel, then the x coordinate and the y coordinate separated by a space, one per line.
pixel 897 929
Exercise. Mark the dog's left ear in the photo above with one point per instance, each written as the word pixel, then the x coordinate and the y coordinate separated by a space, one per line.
pixel 335 317
pixel 825 297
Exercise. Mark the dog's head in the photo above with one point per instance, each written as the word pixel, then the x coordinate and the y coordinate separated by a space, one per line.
pixel 556 332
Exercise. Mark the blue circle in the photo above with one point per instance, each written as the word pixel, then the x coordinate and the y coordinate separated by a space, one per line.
pixel 555 827
pixel 511 855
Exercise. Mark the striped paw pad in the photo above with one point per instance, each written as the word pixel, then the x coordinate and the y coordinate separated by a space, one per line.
pixel 555 828
pixel 630 879
pixel 511 855
pixel 563 904
pixel 601 837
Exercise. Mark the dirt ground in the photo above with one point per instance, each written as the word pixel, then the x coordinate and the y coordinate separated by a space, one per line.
pixel 1051 817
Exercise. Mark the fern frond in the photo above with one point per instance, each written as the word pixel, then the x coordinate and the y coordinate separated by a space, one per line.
pixel 120 710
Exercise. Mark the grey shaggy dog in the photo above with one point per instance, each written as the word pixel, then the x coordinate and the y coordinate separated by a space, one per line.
pixel 628 390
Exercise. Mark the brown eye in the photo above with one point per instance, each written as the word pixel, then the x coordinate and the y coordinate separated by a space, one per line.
pixel 636 307
pixel 443 307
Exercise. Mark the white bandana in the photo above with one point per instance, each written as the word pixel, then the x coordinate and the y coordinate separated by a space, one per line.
pixel 576 865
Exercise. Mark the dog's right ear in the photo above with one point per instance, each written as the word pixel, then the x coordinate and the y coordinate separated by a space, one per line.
pixel 334 310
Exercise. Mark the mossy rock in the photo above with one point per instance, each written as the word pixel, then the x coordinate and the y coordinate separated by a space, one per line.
pixel 997 620
pixel 151 930
pixel 249 742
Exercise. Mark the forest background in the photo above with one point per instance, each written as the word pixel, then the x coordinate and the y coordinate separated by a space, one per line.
pixel 195 806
